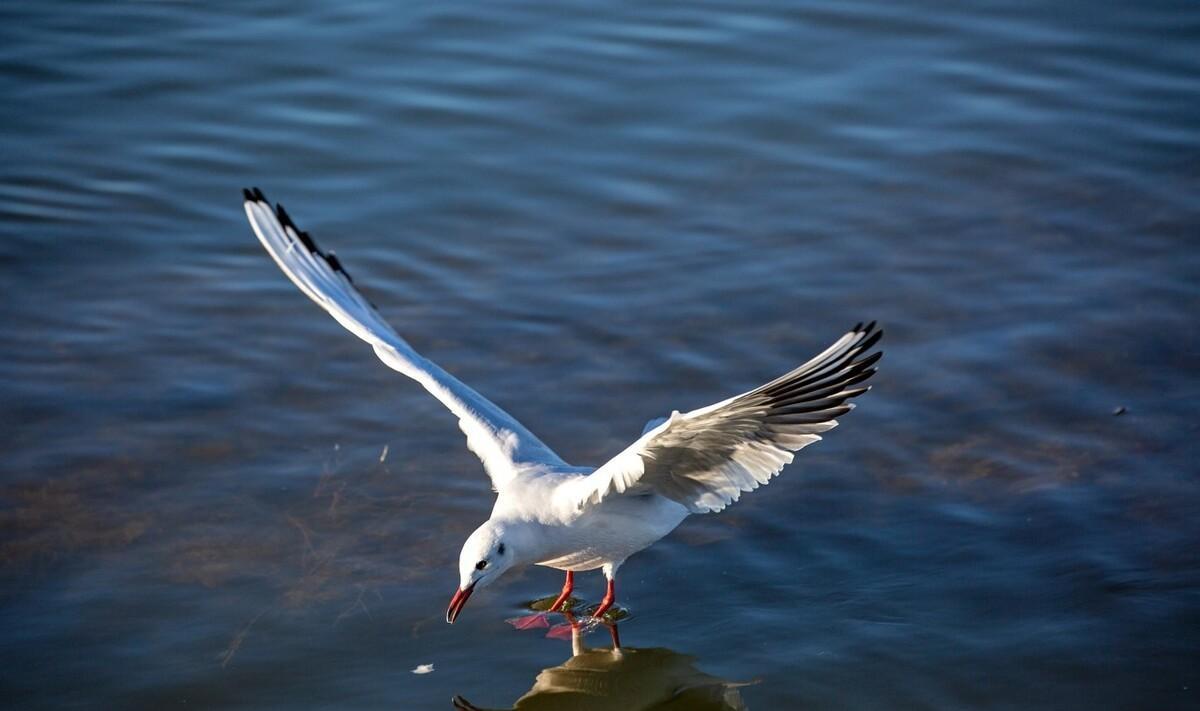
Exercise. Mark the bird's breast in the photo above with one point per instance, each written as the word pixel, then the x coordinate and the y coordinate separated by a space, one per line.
pixel 610 532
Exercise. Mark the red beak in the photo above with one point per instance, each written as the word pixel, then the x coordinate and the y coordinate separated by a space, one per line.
pixel 457 602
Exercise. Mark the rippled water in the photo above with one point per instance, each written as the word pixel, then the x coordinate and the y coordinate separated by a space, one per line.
pixel 596 214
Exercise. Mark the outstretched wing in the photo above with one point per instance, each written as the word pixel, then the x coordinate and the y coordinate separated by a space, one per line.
pixel 492 434
pixel 706 458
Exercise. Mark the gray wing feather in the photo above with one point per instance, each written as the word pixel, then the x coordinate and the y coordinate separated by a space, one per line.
pixel 706 458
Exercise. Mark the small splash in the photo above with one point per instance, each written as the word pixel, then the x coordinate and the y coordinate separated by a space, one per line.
pixel 541 607
pixel 423 669
pixel 543 604
pixel 614 614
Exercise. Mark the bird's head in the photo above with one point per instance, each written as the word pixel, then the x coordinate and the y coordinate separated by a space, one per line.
pixel 485 556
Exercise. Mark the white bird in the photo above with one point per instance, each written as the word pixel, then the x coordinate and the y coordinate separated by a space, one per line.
pixel 571 518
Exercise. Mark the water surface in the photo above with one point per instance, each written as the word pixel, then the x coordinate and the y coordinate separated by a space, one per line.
pixel 595 215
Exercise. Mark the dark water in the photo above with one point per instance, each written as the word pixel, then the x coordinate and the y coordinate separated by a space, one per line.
pixel 596 214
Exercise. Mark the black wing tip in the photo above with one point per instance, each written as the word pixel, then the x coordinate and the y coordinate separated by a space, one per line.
pixel 256 195
pixel 309 243
pixel 870 341
pixel 869 361
pixel 854 365
pixel 870 334
pixel 284 218
pixel 253 194
pixel 336 264
pixel 305 238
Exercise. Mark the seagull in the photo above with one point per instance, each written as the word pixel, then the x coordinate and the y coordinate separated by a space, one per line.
pixel 574 518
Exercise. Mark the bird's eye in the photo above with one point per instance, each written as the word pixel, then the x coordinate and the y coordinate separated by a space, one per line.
pixel 500 550
pixel 481 565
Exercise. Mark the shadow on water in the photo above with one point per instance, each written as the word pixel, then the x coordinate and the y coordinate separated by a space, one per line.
pixel 624 678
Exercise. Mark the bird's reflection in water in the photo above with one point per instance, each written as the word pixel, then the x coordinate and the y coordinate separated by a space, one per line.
pixel 626 679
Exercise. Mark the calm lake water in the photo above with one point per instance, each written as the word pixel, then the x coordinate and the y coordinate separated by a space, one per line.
pixel 595 214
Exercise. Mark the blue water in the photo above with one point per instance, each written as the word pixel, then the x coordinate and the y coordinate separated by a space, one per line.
pixel 596 214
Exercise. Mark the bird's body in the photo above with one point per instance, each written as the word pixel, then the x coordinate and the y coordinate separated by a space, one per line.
pixel 576 519
pixel 540 510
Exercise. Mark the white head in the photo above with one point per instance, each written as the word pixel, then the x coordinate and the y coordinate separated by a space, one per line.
pixel 485 556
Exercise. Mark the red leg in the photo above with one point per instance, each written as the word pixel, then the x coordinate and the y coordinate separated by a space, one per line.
pixel 609 597
pixel 568 587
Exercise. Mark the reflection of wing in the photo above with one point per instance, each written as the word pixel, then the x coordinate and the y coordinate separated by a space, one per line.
pixel 498 439
pixel 650 679
pixel 706 458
